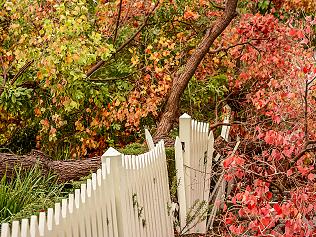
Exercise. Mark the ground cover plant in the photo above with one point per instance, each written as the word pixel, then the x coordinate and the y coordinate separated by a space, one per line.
pixel 27 193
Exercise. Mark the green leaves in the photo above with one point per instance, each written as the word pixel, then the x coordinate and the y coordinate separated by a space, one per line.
pixel 16 100
pixel 201 94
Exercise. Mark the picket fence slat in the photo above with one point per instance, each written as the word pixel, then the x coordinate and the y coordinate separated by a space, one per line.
pixel 25 228
pixel 150 221
pixel 5 230
pixel 15 229
pixel 161 197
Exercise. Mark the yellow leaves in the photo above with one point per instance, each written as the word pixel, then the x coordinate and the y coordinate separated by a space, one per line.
pixel 181 36
pixel 216 60
pixel 158 69
pixel 14 26
pixel 163 42
pixel 167 78
pixel 155 56
pixel 135 60
pixel 166 53
pixel 69 104
pixel 52 134
pixel 76 11
pixel 95 122
pixel 117 103
pixel 69 59
pixel 148 49
pixel 39 75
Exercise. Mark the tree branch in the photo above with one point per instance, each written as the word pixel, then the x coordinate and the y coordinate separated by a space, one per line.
pixel 235 45
pixel 112 78
pixel 306 112
pixel 101 62
pixel 117 21
pixel 21 71
pixel 16 76
pixel 183 76
pixel 225 124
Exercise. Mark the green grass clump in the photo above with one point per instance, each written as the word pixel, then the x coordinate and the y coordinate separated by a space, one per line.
pixel 134 149
pixel 26 193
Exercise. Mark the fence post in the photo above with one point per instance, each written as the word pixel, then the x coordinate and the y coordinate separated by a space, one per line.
pixel 149 140
pixel 226 128
pixel 185 130
pixel 116 168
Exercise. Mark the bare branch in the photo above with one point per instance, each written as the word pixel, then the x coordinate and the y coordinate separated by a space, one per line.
pixel 213 126
pixel 117 21
pixel 311 81
pixel 301 154
pixel 21 71
pixel 306 112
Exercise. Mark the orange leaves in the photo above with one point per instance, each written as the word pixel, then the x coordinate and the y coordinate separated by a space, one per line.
pixel 79 126
pixel 37 112
pixel 45 124
pixel 189 14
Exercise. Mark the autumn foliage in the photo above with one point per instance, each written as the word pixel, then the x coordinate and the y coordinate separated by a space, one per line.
pixel 263 66
pixel 274 168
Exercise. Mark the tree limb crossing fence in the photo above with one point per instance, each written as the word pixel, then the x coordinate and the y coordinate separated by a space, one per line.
pixel 128 197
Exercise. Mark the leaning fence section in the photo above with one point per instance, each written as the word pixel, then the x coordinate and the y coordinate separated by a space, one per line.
pixel 128 196
pixel 193 163
pixel 197 198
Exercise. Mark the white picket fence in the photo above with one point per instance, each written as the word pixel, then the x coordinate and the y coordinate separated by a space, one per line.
pixel 127 197
pixel 194 150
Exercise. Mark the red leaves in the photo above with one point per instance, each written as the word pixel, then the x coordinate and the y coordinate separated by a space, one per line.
pixel 296 33
pixel 269 195
pixel 277 208
pixel 311 177
pixel 274 138
pixel 238 230
pixel 233 161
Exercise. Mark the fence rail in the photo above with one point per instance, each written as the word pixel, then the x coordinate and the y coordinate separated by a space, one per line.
pixel 128 196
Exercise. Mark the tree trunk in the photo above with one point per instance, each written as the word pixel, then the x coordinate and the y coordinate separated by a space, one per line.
pixel 182 78
pixel 65 170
